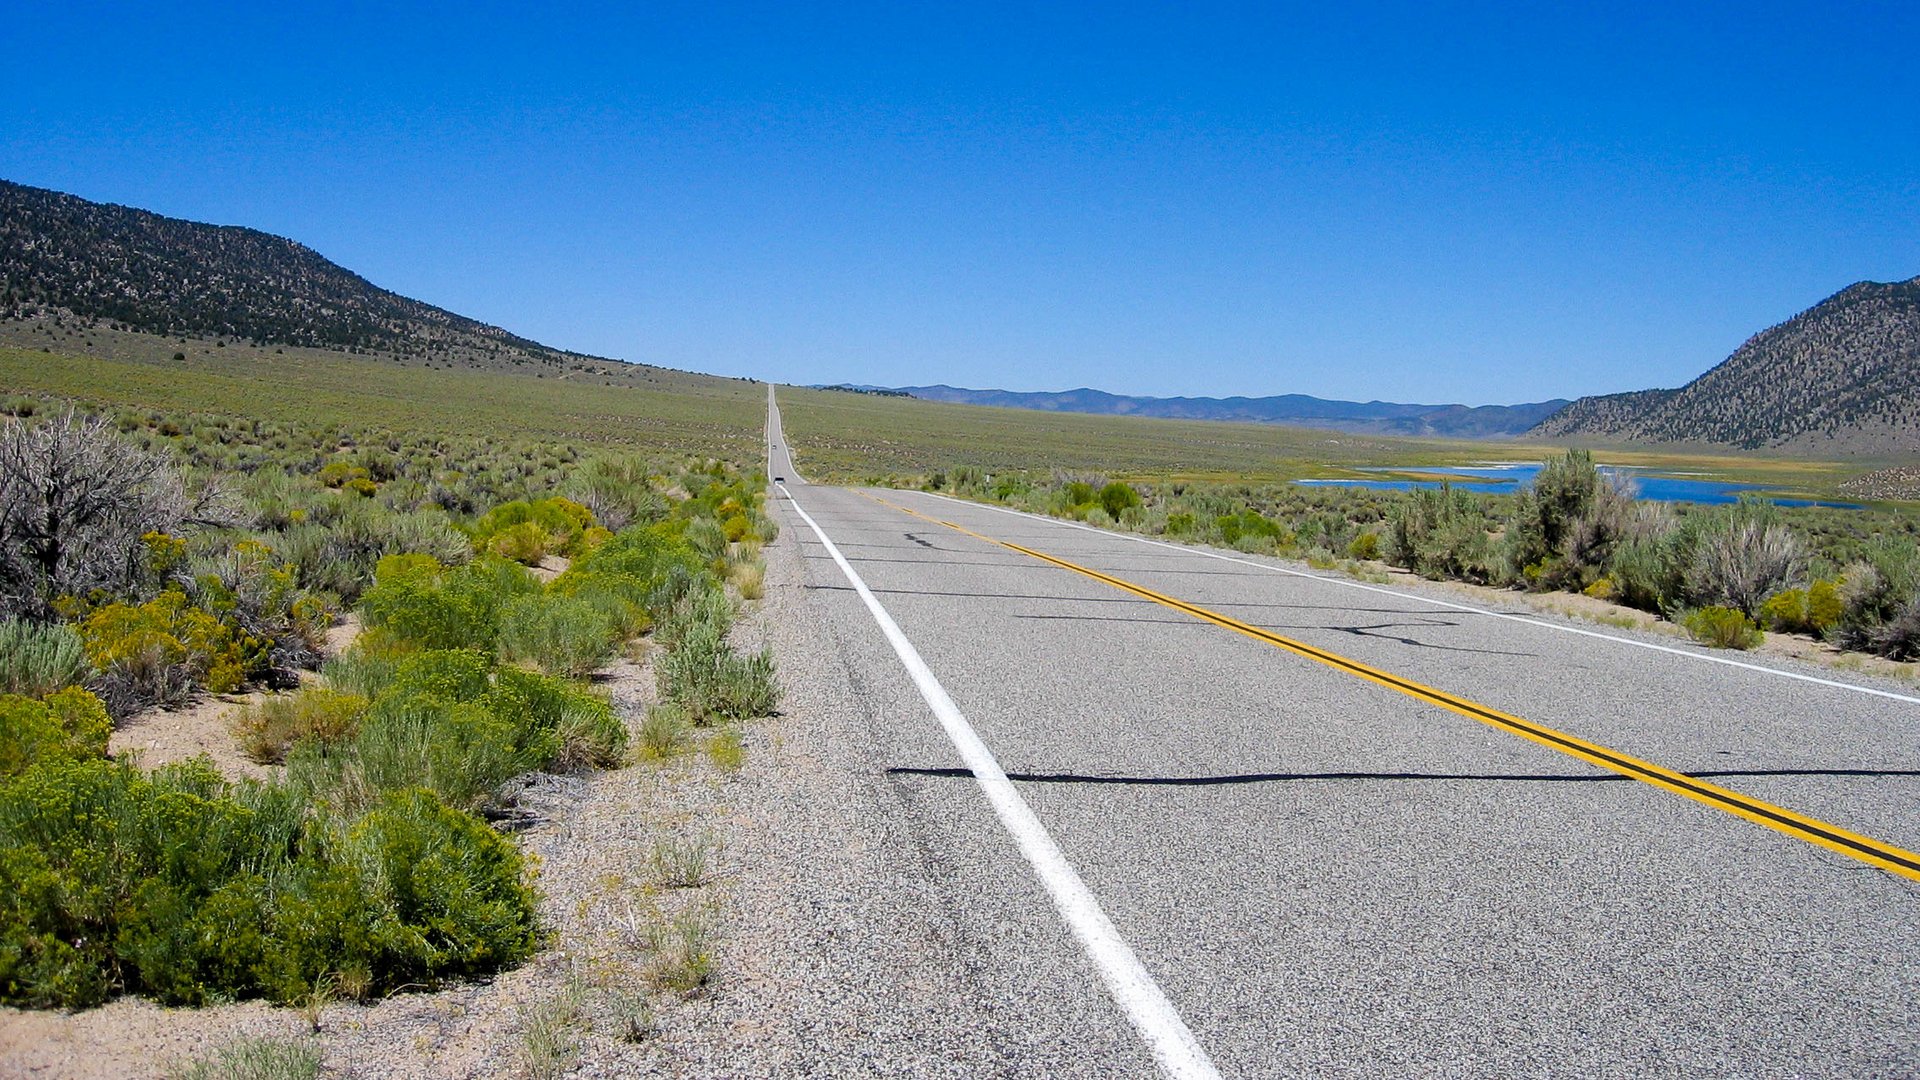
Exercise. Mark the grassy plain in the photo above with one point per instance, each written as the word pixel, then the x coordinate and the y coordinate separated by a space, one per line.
pixel 663 411
pixel 855 437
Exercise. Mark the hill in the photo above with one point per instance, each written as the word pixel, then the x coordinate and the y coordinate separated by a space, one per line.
pixel 1301 410
pixel 66 262
pixel 1842 377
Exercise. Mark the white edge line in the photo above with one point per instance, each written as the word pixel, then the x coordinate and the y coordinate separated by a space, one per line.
pixel 1174 1046
pixel 1191 550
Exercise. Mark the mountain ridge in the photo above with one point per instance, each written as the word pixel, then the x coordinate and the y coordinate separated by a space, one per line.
pixel 1303 410
pixel 1842 376
pixel 65 257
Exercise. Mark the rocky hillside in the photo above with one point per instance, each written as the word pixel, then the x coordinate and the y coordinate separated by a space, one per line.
pixel 130 270
pixel 1841 377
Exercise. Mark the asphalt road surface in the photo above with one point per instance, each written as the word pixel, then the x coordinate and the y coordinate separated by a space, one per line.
pixel 1320 870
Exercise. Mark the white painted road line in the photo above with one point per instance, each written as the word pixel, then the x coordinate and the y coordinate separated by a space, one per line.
pixel 1178 1052
pixel 1689 654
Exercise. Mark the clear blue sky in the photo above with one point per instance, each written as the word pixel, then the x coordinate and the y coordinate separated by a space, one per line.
pixel 1406 202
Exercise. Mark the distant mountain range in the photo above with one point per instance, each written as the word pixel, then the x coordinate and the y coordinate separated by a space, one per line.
pixel 1842 378
pixel 1365 417
pixel 63 256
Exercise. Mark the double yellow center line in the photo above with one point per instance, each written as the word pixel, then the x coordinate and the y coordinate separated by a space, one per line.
pixel 1873 852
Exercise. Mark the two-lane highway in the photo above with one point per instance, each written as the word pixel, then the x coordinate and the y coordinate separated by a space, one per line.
pixel 1324 872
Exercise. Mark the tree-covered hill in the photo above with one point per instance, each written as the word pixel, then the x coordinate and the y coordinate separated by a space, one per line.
pixel 64 256
pixel 1842 377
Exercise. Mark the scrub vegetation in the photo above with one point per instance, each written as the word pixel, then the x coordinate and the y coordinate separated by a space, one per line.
pixel 1727 573
pixel 147 557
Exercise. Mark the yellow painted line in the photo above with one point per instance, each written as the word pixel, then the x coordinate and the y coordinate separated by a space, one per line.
pixel 1873 852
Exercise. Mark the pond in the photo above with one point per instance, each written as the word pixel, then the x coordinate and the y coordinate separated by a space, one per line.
pixel 1505 478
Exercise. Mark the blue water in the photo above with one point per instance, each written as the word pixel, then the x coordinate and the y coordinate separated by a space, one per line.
pixel 1507 479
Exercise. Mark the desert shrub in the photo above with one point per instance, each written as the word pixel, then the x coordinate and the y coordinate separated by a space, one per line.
pixel 763 528
pixel 339 556
pixel 638 575
pixel 69 725
pixel 664 730
pixel 268 729
pixel 703 605
pixel 157 652
pixel 708 539
pixel 588 736
pixel 37 659
pixel 750 579
pixel 1116 498
pixel 704 675
pixel 1898 637
pixel 526 543
pixel 1721 627
pixel 1442 533
pixel 261 597
pixel 1812 610
pixel 75 501
pixel 618 492
pixel 1251 530
pixel 409 893
pixel 360 670
pixel 526 532
pixel 1741 557
pixel 460 751
pixel 1364 545
pixel 563 634
pixel 336 474
pixel 105 874
pixel 1543 516
pixel 1647 565
pixel 1878 591
pixel 540 706
pixel 417 601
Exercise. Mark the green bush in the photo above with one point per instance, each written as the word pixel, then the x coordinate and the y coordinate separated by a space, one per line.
pixel 1880 600
pixel 157 652
pixel 705 676
pixel 449 894
pixel 460 751
pixel 1117 497
pixel 360 671
pixel 1721 628
pixel 268 729
pixel 1365 545
pixel 1741 556
pixel 105 877
pixel 421 604
pixel 708 538
pixel 526 532
pixel 526 543
pixel 564 635
pixel 37 659
pixel 1812 610
pixel 1251 530
pixel 1442 533
pixel 70 725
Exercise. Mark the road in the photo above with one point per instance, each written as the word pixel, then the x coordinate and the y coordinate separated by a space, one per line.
pixel 1325 873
